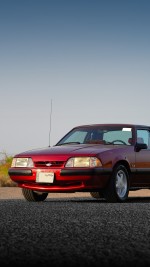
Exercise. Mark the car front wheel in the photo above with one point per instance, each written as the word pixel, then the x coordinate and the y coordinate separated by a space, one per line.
pixel 31 195
pixel 118 187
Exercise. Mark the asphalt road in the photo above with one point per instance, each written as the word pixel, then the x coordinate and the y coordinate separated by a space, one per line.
pixel 73 230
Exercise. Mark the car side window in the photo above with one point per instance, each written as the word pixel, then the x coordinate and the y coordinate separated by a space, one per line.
pixel 143 136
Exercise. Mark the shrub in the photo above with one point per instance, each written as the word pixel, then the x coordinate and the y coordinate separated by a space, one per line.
pixel 5 164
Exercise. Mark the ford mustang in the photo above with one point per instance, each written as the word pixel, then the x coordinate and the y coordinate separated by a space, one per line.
pixel 106 160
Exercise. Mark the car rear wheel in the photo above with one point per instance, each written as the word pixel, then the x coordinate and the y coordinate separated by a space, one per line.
pixel 31 195
pixel 96 194
pixel 118 187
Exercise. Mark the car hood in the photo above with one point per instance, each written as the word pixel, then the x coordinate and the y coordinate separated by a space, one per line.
pixel 68 150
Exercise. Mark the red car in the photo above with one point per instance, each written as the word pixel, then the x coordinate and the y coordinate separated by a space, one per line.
pixel 106 160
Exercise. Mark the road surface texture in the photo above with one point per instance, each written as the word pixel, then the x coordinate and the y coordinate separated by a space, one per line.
pixel 74 230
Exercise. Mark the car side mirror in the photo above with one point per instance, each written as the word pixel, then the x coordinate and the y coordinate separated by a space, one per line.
pixel 139 146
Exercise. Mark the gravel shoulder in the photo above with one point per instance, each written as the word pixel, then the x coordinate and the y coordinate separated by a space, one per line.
pixel 16 193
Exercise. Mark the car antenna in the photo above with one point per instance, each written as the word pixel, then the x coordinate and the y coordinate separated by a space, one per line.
pixel 50 123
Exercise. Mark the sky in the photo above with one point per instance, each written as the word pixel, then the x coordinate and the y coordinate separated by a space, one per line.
pixel 65 63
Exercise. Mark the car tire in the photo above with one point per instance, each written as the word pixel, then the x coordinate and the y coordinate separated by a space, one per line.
pixel 31 195
pixel 96 195
pixel 118 187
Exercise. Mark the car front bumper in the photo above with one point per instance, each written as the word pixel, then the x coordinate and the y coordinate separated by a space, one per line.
pixel 65 180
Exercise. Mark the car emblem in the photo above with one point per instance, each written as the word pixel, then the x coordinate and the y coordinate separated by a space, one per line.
pixel 48 164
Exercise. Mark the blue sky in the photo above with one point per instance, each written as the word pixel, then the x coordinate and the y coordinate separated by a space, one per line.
pixel 90 57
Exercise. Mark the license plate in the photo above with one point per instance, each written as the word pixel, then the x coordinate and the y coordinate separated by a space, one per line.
pixel 45 177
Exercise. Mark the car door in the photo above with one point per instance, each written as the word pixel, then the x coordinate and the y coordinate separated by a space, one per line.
pixel 142 158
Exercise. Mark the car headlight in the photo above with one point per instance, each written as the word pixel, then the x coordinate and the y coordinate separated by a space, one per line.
pixel 22 162
pixel 83 162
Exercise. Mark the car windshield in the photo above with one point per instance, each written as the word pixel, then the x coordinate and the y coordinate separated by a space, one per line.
pixel 116 135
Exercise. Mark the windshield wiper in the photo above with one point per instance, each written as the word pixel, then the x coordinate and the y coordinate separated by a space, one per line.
pixel 69 143
pixel 108 143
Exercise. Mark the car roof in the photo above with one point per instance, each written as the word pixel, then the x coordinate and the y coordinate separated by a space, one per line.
pixel 114 124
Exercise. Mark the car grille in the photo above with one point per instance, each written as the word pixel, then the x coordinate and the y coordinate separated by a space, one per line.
pixel 49 164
